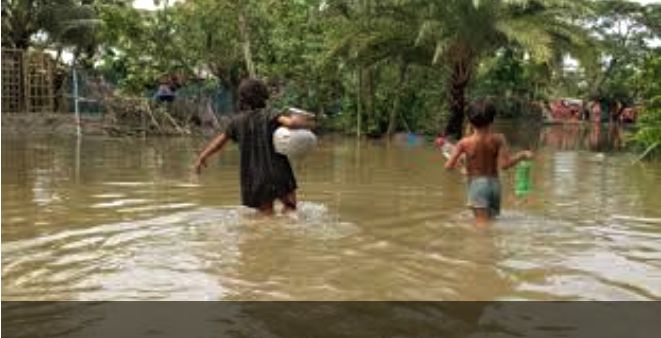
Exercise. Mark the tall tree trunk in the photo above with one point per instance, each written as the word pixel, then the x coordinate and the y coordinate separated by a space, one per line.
pixel 401 80
pixel 367 74
pixel 359 108
pixel 601 79
pixel 461 74
pixel 58 55
pixel 245 42
pixel 369 97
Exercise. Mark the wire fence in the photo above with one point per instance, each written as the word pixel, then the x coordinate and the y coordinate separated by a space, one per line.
pixel 99 101
pixel 95 94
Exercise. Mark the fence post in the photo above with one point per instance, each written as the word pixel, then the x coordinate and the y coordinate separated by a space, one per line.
pixel 79 141
pixel 75 99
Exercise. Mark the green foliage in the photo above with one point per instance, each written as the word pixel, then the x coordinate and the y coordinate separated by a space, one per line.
pixel 465 32
pixel 622 30
pixel 649 132
pixel 129 52
pixel 373 67
pixel 63 25
pixel 512 83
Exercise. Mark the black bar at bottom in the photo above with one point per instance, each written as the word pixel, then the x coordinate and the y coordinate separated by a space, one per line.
pixel 330 319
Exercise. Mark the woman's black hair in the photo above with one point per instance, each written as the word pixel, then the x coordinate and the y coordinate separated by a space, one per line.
pixel 481 114
pixel 252 94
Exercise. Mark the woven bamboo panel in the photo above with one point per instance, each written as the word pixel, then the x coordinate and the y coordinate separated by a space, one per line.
pixel 12 81
pixel 39 93
pixel 27 82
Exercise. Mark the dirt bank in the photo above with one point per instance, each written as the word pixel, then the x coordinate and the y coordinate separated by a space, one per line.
pixel 65 124
pixel 45 123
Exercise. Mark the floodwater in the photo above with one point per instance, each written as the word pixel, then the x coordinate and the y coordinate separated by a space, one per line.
pixel 124 219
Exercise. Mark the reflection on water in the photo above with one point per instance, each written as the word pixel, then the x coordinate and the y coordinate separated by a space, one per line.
pixel 123 219
pixel 593 137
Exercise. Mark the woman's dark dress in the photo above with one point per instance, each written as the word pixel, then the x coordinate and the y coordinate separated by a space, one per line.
pixel 265 174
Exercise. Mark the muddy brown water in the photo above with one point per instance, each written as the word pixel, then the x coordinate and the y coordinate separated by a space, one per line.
pixel 124 219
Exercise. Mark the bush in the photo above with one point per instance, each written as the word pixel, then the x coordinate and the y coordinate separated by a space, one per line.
pixel 648 135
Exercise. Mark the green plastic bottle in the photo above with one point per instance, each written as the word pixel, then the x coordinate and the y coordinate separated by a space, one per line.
pixel 523 183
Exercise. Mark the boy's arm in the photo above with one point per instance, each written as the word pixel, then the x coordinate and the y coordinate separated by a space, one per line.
pixel 506 159
pixel 214 146
pixel 454 157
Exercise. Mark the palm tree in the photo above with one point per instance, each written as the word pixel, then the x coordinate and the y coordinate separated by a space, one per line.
pixel 463 31
pixel 66 23
pixel 370 34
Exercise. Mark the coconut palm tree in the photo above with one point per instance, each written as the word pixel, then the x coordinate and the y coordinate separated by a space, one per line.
pixel 58 24
pixel 462 31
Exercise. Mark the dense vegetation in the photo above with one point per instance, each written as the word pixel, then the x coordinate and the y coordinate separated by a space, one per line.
pixel 648 135
pixel 374 66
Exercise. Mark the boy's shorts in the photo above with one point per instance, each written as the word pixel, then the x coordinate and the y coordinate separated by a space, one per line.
pixel 484 193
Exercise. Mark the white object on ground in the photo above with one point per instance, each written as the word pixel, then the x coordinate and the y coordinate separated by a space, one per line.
pixel 294 142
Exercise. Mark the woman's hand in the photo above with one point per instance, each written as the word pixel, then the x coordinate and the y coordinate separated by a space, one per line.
pixel 215 146
pixel 199 164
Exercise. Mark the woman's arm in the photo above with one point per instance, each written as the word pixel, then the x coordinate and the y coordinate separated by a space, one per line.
pixel 214 146
pixel 295 121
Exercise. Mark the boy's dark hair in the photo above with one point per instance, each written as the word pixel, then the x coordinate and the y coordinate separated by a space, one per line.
pixel 481 114
pixel 252 94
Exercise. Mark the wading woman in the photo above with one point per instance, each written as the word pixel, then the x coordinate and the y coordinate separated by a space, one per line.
pixel 266 175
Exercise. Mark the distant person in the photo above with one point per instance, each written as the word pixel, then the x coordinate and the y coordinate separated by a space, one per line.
pixel 486 152
pixel 266 175
pixel 165 92
pixel 595 110
pixel 628 115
